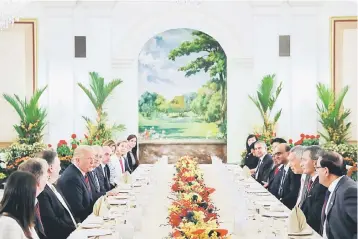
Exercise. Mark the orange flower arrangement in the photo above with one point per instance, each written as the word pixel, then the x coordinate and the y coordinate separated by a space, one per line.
pixel 192 214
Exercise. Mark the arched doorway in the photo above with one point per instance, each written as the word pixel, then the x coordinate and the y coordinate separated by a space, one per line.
pixel 182 81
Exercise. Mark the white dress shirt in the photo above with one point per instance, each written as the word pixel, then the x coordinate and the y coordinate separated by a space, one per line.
pixel 62 201
pixel 331 189
pixel 115 169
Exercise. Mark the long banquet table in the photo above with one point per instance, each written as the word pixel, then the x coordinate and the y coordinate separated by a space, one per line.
pixel 241 203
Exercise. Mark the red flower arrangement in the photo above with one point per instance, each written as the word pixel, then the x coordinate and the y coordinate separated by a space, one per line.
pixel 192 214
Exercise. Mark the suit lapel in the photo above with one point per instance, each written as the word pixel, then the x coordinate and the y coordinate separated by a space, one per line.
pixel 333 196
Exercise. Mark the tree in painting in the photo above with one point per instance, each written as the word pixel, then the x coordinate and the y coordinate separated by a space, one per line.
pixel 182 86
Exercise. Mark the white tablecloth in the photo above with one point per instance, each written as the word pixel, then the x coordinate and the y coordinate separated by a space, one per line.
pixel 237 209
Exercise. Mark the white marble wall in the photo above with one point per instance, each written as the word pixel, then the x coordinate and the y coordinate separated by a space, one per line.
pixel 247 30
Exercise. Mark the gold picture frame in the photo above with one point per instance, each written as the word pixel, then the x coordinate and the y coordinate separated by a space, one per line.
pixel 34 24
pixel 337 25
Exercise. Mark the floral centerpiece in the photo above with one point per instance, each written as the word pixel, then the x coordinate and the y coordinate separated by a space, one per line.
pixel 192 214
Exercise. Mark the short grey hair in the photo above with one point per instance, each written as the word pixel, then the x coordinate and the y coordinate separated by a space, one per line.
pixel 298 150
pixel 37 166
pixel 261 142
pixel 315 151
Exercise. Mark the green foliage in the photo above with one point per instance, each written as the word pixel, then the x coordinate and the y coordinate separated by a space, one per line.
pixel 265 99
pixel 98 93
pixel 332 114
pixel 213 111
pixel 214 62
pixel 32 117
pixel 147 103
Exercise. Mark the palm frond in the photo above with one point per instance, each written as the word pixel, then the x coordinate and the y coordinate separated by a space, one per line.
pixel 277 116
pixel 15 105
pixel 89 94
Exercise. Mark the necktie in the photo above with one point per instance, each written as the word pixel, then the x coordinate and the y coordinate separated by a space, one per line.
pixel 309 186
pixel 120 161
pixel 39 221
pixel 96 182
pixel 276 170
pixel 60 198
pixel 280 190
pixel 257 170
pixel 300 193
pixel 87 183
pixel 323 214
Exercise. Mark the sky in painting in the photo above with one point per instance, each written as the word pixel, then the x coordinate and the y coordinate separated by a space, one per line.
pixel 159 74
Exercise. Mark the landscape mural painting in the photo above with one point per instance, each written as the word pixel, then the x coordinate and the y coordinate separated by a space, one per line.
pixel 182 87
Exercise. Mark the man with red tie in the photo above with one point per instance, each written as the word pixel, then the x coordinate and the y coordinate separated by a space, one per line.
pixel 339 211
pixel 312 204
pixel 74 182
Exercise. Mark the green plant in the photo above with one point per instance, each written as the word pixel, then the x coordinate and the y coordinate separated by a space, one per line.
pixel 348 151
pixel 32 117
pixel 98 93
pixel 332 114
pixel 265 100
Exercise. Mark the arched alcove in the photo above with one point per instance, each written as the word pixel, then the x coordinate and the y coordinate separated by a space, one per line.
pixel 125 63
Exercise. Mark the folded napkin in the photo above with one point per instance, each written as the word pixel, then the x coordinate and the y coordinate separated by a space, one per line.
pixel 126 178
pixel 246 172
pixel 297 221
pixel 101 207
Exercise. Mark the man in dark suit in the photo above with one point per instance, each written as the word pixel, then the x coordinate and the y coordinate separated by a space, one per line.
pixel 313 203
pixel 262 170
pixel 339 211
pixel 294 159
pixel 102 170
pixel 289 185
pixel 74 183
pixel 56 215
pixel 38 167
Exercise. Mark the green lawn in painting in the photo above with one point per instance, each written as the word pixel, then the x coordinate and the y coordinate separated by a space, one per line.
pixel 179 128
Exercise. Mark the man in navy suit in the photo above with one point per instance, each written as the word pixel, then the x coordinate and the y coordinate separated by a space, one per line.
pixel 262 171
pixel 102 170
pixel 339 211
pixel 74 183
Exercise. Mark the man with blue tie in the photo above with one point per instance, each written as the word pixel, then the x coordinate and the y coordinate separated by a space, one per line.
pixel 339 212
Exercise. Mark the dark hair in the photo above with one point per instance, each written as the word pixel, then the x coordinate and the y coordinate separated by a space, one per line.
pixel 135 148
pixel 315 151
pixel 333 161
pixel 19 199
pixel 287 147
pixel 48 155
pixel 247 139
pixel 278 140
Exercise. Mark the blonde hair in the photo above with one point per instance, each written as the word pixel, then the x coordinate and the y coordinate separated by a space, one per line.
pixel 109 143
pixel 80 151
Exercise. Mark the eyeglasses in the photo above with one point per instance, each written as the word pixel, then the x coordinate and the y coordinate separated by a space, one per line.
pixel 317 167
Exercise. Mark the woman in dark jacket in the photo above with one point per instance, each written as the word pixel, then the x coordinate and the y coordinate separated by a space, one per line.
pixel 132 155
pixel 251 160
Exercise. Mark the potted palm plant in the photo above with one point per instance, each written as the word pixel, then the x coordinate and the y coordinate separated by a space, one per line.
pixel 98 92
pixel 265 99
pixel 32 117
pixel 332 115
